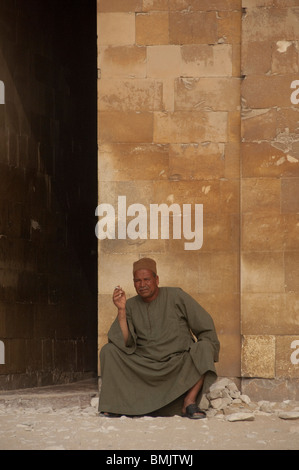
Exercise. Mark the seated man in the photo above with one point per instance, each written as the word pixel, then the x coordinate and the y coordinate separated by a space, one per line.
pixel 151 357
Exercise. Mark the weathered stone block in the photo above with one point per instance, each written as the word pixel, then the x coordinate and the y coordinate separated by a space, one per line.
pixel 261 91
pixel 287 356
pixel 292 231
pixel 264 159
pixel 260 193
pixel 217 94
pixel 285 57
pixel 258 356
pixel 196 161
pixel 289 195
pixel 203 5
pixel 155 5
pixel 270 24
pixel 229 359
pixel 116 29
pixel 292 271
pixel 130 95
pixel 119 5
pixel 152 28
pixel 262 272
pixel 188 127
pixel 269 314
pixel 163 61
pixel 203 60
pixel 218 272
pixel 131 127
pixel 234 126
pixel 193 28
pixel 262 232
pixel 229 25
pixel 122 61
pixel 256 57
pixel 126 162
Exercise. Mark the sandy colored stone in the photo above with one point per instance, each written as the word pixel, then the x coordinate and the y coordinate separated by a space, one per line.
pixel 229 25
pixel 163 61
pixel 240 417
pixel 187 127
pixel 126 162
pixel 130 95
pixel 197 161
pixel 193 28
pixel 266 158
pixel 131 126
pixel 122 61
pixel 204 60
pixel 152 28
pixel 271 24
pixel 285 57
pixel 262 272
pixel 258 356
pixel 155 5
pixel 262 194
pixel 217 94
pixel 116 28
pixel 256 57
pixel 269 313
pixel 289 415
pixel 287 356
pixel 266 91
pixel 290 195
pixel 119 5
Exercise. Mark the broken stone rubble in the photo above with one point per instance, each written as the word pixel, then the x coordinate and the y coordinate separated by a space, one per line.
pixel 225 399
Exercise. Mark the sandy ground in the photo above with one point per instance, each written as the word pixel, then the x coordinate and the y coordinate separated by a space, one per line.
pixel 63 418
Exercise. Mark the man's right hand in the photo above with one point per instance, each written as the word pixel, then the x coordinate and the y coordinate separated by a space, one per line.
pixel 119 298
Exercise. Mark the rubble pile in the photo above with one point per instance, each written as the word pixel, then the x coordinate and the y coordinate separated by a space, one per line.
pixel 224 398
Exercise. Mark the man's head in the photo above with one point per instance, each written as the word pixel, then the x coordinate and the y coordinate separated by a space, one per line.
pixel 145 277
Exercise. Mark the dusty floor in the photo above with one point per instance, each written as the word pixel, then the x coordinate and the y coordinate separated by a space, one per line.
pixel 63 418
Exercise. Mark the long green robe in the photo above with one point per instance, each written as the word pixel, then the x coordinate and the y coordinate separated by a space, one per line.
pixel 161 360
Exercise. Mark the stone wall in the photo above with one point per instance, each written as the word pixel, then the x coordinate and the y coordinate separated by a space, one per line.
pixel 174 77
pixel 169 133
pixel 270 195
pixel 48 189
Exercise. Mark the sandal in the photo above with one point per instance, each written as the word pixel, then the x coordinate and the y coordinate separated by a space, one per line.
pixel 193 412
pixel 109 415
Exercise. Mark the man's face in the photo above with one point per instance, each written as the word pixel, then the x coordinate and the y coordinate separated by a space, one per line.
pixel 146 284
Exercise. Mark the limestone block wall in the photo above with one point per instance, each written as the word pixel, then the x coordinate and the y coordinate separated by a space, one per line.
pixel 270 196
pixel 199 104
pixel 169 133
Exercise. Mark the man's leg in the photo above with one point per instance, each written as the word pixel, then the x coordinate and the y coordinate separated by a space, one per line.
pixel 191 396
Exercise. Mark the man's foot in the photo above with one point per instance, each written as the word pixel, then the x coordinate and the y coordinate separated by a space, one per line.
pixel 105 414
pixel 193 412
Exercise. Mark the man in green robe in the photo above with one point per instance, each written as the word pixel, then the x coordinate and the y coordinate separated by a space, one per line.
pixel 162 345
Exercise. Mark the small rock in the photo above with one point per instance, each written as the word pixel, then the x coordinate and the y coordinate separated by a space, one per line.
pixel 245 399
pixel 216 403
pixel 94 402
pixel 240 417
pixel 204 403
pixel 289 415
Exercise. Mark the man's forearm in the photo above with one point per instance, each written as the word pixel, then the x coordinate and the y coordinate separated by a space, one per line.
pixel 122 319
